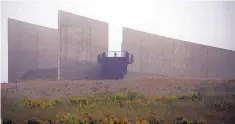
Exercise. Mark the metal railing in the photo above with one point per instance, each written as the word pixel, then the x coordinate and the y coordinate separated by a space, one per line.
pixel 115 54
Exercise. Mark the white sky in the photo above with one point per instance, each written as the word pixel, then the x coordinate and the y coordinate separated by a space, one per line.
pixel 208 23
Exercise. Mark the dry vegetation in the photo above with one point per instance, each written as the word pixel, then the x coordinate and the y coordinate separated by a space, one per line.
pixel 142 101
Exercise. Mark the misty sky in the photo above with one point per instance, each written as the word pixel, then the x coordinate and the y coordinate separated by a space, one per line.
pixel 208 23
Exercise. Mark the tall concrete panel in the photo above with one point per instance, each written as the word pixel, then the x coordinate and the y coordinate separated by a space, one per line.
pixel 28 45
pixel 131 44
pixel 48 45
pixel 81 39
pixel 152 53
pixel 22 48
pixel 161 56
pixel 231 64
pixel 190 60
pixel 220 64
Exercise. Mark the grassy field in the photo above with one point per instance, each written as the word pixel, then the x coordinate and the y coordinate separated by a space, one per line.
pixel 125 106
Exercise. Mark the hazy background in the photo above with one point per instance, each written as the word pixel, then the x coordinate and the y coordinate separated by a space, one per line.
pixel 208 23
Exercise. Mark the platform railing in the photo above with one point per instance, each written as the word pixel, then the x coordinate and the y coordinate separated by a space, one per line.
pixel 115 54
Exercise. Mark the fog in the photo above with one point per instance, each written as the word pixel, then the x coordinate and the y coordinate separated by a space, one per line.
pixel 207 23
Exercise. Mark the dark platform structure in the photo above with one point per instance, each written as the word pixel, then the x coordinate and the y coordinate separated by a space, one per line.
pixel 114 64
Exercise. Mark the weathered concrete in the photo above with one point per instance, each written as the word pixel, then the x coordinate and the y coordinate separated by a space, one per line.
pixel 48 43
pixel 30 47
pixel 231 64
pixel 33 49
pixel 82 39
pixel 151 55
pixel 221 63
pixel 161 56
pixel 190 60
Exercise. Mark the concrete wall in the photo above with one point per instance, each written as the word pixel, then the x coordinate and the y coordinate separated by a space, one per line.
pixel 33 47
pixel 166 57
pixel 48 46
pixel 190 60
pixel 150 55
pixel 231 64
pixel 82 39
pixel 30 47
pixel 221 63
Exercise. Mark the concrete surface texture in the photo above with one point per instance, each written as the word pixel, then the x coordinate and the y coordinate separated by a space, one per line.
pixel 30 47
pixel 150 56
pixel 221 63
pixel 190 60
pixel 166 57
pixel 81 39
